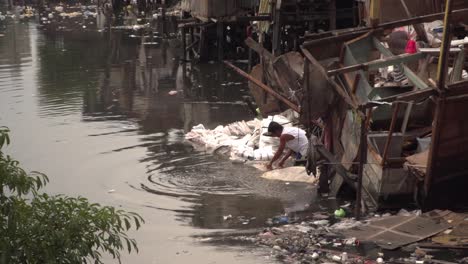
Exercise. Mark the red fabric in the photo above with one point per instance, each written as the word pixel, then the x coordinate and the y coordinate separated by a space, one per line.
pixel 411 47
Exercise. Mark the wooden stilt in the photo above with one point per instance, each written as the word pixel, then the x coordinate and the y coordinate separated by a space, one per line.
pixel 332 8
pixel 220 35
pixel 362 163
pixel 250 60
pixel 276 29
pixel 184 43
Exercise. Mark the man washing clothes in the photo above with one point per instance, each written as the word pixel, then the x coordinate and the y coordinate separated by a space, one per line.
pixel 292 139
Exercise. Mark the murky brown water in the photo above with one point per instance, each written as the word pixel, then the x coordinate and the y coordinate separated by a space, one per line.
pixel 75 116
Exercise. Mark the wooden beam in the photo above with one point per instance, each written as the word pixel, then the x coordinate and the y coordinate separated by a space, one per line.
pixel 376 64
pixel 189 47
pixel 413 77
pixel 444 50
pixel 390 132
pixel 350 34
pixel 374 15
pixel 220 37
pixel 332 15
pixel 338 89
pixel 264 87
pixel 276 40
pixel 410 96
pixel 459 64
pixel 257 47
pixel 362 163
pixel 356 83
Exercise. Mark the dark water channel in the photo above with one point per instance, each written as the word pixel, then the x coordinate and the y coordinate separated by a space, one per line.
pixel 75 116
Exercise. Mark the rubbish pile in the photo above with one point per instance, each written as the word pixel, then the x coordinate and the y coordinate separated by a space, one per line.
pixel 240 140
pixel 343 240
pixel 20 12
pixel 72 18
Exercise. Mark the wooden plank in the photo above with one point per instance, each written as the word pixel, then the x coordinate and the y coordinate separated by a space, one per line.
pixel 390 133
pixel 444 50
pixel 338 89
pixel 457 72
pixel 276 28
pixel 374 12
pixel 436 130
pixel 376 64
pixel 413 77
pixel 265 87
pixel 362 162
pixel 220 42
pixel 350 34
pixel 332 15
pixel 410 96
pixel 257 47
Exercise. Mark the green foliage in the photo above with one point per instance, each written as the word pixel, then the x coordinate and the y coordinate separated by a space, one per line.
pixel 38 228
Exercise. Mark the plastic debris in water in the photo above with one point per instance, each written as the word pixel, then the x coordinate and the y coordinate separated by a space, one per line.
pixel 227 217
pixel 111 191
pixel 281 220
pixel 172 92
pixel 321 222
pixel 340 213
pixel 315 256
pixel 344 257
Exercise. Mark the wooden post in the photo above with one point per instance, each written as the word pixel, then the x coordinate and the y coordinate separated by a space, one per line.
pixel 362 163
pixel 458 66
pixel 332 15
pixel 220 35
pixel 250 60
pixel 163 22
pixel 390 132
pixel 445 48
pixel 184 43
pixel 192 40
pixel 374 13
pixel 404 126
pixel 276 41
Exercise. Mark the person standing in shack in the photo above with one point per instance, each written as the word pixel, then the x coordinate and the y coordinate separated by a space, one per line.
pixel 292 139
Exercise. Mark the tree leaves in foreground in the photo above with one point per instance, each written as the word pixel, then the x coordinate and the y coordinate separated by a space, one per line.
pixel 39 228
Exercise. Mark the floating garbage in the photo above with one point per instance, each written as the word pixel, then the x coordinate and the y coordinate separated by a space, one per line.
pixel 227 217
pixel 173 93
pixel 281 220
pixel 340 213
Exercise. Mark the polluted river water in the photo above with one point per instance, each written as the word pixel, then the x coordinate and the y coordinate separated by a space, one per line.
pixel 74 116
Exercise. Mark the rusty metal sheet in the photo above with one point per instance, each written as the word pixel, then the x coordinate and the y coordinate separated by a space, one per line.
pixel 396 231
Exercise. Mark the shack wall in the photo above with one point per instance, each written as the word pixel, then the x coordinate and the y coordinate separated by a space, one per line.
pixel 449 148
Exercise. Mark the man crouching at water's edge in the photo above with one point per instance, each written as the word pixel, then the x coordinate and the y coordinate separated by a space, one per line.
pixel 292 138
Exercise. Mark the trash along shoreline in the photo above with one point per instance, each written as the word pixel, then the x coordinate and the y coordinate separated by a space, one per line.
pixel 331 237
pixel 328 238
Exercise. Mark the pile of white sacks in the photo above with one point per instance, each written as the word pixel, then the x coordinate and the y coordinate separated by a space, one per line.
pixel 242 140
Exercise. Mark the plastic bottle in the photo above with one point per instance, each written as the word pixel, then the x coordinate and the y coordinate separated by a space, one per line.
pixel 344 257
